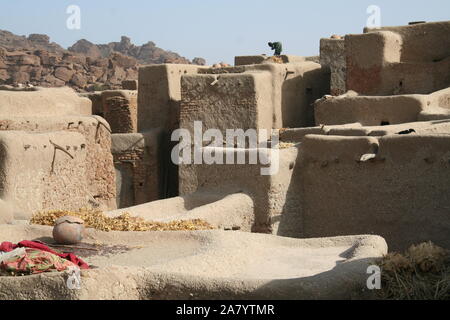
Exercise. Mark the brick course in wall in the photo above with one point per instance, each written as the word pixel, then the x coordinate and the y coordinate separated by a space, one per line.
pixel 136 159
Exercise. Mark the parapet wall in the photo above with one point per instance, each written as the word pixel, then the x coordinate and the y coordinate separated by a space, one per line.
pixel 159 95
pixel 120 110
pixel 97 103
pixel 236 100
pixel 43 102
pixel 369 110
pixel 401 60
pixel 262 58
pixel 44 171
pixel 100 176
pixel 402 194
pixel 423 42
pixel 378 110
pixel 247 60
pixel 332 55
pixel 275 210
pixel 137 160
pixel 159 98
pixel 357 130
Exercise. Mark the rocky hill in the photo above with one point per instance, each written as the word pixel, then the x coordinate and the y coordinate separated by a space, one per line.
pixel 34 60
pixel 148 53
pixel 9 40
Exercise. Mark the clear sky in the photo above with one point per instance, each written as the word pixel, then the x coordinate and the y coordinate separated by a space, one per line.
pixel 216 30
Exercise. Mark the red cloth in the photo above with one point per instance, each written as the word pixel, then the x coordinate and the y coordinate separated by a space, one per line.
pixel 8 246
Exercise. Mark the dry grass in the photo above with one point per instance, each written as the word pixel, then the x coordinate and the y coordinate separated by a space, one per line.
pixel 98 220
pixel 421 273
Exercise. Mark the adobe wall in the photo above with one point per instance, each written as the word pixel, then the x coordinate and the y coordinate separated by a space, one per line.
pixel 43 102
pixel 439 107
pixel 440 114
pixel 288 89
pixel 369 110
pixel 97 103
pixel 236 100
pixel 120 110
pixel 159 98
pixel 275 210
pixel 296 135
pixel 440 99
pixel 375 66
pixel 424 42
pixel 409 78
pixel 36 175
pixel 137 161
pixel 282 94
pixel 159 95
pixel 264 96
pixel 100 174
pixel 301 86
pixel 129 84
pixel 247 60
pixel 377 110
pixel 332 55
pixel 262 58
pixel 401 195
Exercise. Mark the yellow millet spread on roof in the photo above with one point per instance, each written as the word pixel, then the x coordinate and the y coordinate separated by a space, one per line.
pixel 98 220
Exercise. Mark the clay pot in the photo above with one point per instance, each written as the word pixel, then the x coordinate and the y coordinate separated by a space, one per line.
pixel 68 230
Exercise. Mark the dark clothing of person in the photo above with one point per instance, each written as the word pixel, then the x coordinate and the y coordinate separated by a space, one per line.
pixel 277 46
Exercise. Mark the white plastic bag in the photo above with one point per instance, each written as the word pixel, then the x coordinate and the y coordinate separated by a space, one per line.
pixel 19 252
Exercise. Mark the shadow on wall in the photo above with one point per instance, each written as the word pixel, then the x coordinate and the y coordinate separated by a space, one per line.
pixel 140 175
pixel 198 199
pixel 347 280
pixel 400 195
pixel 169 184
pixel 125 186
pixel 290 223
pixel 299 94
